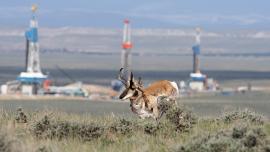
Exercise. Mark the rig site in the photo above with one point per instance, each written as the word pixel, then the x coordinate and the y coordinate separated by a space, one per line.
pixel 134 76
pixel 32 81
pixel 70 64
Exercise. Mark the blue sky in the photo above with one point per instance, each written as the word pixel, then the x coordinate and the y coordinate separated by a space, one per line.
pixel 143 13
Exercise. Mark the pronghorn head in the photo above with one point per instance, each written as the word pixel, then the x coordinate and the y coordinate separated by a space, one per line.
pixel 132 87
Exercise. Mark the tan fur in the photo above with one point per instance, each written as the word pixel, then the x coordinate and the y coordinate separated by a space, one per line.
pixel 149 96
pixel 160 88
pixel 144 101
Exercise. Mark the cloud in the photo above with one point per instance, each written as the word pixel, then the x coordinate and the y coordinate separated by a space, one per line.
pixel 197 19
pixel 149 14
pixel 259 35
pixel 84 31
pixel 152 7
pixel 12 12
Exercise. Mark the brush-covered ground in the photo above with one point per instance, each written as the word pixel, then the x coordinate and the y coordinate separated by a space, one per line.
pixel 179 130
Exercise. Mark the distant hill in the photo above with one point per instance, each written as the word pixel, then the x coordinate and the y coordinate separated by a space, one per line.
pixel 151 41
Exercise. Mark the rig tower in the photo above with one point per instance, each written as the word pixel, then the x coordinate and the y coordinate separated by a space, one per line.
pixel 126 46
pixel 32 78
pixel 196 51
pixel 197 78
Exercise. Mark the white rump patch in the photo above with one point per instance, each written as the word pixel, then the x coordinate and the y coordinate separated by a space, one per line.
pixel 174 84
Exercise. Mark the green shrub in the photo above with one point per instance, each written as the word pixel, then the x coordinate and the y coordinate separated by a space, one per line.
pixel 239 138
pixel 20 116
pixel 42 127
pixel 151 129
pixel 164 104
pixel 88 132
pixel 63 129
pixel 182 118
pixel 123 127
pixel 242 115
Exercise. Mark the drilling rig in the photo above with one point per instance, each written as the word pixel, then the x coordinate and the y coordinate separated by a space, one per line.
pixel 32 78
pixel 126 48
pixel 197 78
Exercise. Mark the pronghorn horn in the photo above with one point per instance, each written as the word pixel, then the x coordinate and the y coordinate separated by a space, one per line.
pixel 121 78
pixel 131 80
pixel 131 77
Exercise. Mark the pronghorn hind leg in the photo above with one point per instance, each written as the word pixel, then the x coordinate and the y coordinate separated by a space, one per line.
pixel 156 113
pixel 161 114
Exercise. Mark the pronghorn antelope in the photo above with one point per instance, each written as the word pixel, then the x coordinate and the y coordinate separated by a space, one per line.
pixel 144 101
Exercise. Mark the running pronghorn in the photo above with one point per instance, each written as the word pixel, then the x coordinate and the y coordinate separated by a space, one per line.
pixel 144 101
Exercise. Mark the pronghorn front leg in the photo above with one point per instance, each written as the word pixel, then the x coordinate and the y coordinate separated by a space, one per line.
pixel 155 113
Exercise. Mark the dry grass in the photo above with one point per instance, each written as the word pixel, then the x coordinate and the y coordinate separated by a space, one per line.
pixel 179 130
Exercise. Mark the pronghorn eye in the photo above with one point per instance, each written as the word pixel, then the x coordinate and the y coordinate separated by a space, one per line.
pixel 135 93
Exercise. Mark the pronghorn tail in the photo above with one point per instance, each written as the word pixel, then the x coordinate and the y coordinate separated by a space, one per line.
pixel 174 84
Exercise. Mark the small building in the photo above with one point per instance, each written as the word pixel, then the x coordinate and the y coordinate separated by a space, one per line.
pixel 31 82
pixel 197 81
